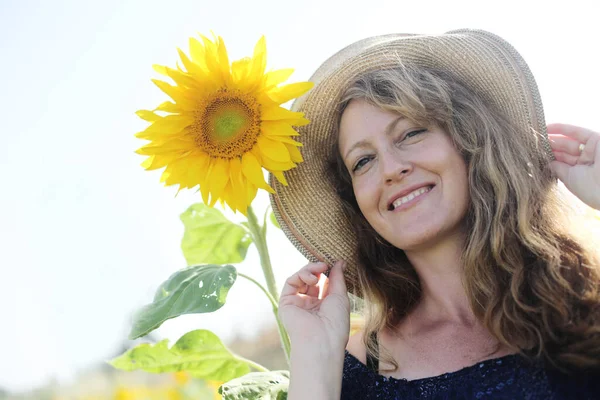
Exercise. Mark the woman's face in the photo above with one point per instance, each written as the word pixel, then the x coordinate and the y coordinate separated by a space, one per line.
pixel 409 180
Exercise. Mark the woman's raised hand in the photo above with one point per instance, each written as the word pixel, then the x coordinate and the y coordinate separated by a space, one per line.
pixel 578 170
pixel 312 321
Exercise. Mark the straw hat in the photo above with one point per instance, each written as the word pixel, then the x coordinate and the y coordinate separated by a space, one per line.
pixel 308 210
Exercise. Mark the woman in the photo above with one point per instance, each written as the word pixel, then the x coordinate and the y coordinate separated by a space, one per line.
pixel 430 177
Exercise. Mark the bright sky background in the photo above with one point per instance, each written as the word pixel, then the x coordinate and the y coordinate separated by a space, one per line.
pixel 86 235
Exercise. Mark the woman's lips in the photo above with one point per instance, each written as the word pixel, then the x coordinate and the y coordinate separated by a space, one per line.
pixel 411 199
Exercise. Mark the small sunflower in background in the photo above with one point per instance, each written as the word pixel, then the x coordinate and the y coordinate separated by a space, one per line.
pixel 225 123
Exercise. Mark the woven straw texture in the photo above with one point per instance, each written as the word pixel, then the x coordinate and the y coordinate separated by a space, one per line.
pixel 308 209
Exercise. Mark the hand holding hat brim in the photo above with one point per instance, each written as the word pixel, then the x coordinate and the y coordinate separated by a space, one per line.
pixel 577 165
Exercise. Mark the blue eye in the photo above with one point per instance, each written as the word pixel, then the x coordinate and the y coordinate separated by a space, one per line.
pixel 361 163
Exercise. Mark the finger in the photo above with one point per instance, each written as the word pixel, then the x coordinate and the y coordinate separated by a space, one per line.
pixel 578 133
pixel 299 301
pixel 313 291
pixel 311 280
pixel 293 285
pixel 564 144
pixel 308 277
pixel 316 268
pixel 325 290
pixel 301 280
pixel 560 169
pixel 566 158
pixel 336 282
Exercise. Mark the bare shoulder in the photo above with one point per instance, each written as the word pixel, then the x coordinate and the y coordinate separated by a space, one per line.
pixel 356 347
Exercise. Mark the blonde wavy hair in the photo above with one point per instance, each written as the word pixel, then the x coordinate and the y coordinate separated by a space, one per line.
pixel 531 280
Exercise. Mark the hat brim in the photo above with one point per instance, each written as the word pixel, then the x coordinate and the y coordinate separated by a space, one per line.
pixel 308 209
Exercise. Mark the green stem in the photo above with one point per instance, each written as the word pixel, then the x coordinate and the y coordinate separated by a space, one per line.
pixel 263 252
pixel 254 365
pixel 271 299
pixel 260 240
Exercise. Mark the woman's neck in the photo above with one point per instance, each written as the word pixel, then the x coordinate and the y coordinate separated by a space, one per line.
pixel 440 271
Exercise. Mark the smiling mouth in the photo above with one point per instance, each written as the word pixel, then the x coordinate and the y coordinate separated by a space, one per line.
pixel 409 197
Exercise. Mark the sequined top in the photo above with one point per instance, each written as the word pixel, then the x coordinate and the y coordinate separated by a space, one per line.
pixel 509 377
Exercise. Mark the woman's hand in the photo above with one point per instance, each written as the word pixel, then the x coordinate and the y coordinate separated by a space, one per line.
pixel 579 171
pixel 324 322
pixel 318 329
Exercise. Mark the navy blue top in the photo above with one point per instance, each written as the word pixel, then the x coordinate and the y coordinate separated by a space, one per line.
pixel 509 377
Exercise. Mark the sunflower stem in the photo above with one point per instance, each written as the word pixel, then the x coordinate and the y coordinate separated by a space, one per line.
pixel 259 235
pixel 271 299
pixel 251 363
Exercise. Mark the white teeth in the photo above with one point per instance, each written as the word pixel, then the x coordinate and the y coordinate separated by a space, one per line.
pixel 410 196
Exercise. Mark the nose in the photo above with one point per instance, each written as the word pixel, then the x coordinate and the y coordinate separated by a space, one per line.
pixel 394 168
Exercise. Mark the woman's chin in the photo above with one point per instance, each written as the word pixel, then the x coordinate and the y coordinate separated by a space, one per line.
pixel 423 240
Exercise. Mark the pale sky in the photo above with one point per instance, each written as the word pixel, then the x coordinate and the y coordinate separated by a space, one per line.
pixel 86 235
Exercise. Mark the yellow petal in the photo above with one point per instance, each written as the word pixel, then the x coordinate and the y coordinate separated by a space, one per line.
pixel 273 149
pixel 186 179
pixel 189 65
pixel 250 192
pixel 294 153
pixel 300 121
pixel 219 175
pixel 228 198
pixel 280 177
pixel 169 107
pixel 253 172
pixel 157 161
pixel 168 125
pixel 174 171
pixel 287 140
pixel 288 92
pixel 148 115
pixel 280 113
pixel 256 153
pixel 196 51
pixel 223 60
pixel 195 171
pixel 259 59
pixel 164 176
pixel 177 144
pixel 173 92
pixel 278 128
pixel 199 166
pixel 211 61
pixel 157 136
pixel 237 184
pixel 274 78
pixel 160 69
pixel 182 79
pixel 271 165
pixel 239 74
pixel 204 189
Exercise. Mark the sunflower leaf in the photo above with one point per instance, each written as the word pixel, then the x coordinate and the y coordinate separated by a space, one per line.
pixel 272 385
pixel 200 353
pixel 193 290
pixel 274 220
pixel 210 238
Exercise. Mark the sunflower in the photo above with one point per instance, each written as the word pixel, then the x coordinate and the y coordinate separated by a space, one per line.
pixel 223 125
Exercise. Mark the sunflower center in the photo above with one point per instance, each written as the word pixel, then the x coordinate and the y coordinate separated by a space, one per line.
pixel 227 124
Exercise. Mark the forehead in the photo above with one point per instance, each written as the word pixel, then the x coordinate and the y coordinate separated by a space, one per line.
pixel 361 120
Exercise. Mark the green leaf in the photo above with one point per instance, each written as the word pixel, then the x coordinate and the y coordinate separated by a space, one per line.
pixel 192 290
pixel 199 352
pixel 274 220
pixel 210 238
pixel 257 385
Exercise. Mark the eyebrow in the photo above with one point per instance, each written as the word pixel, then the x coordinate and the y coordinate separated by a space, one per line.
pixel 364 143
